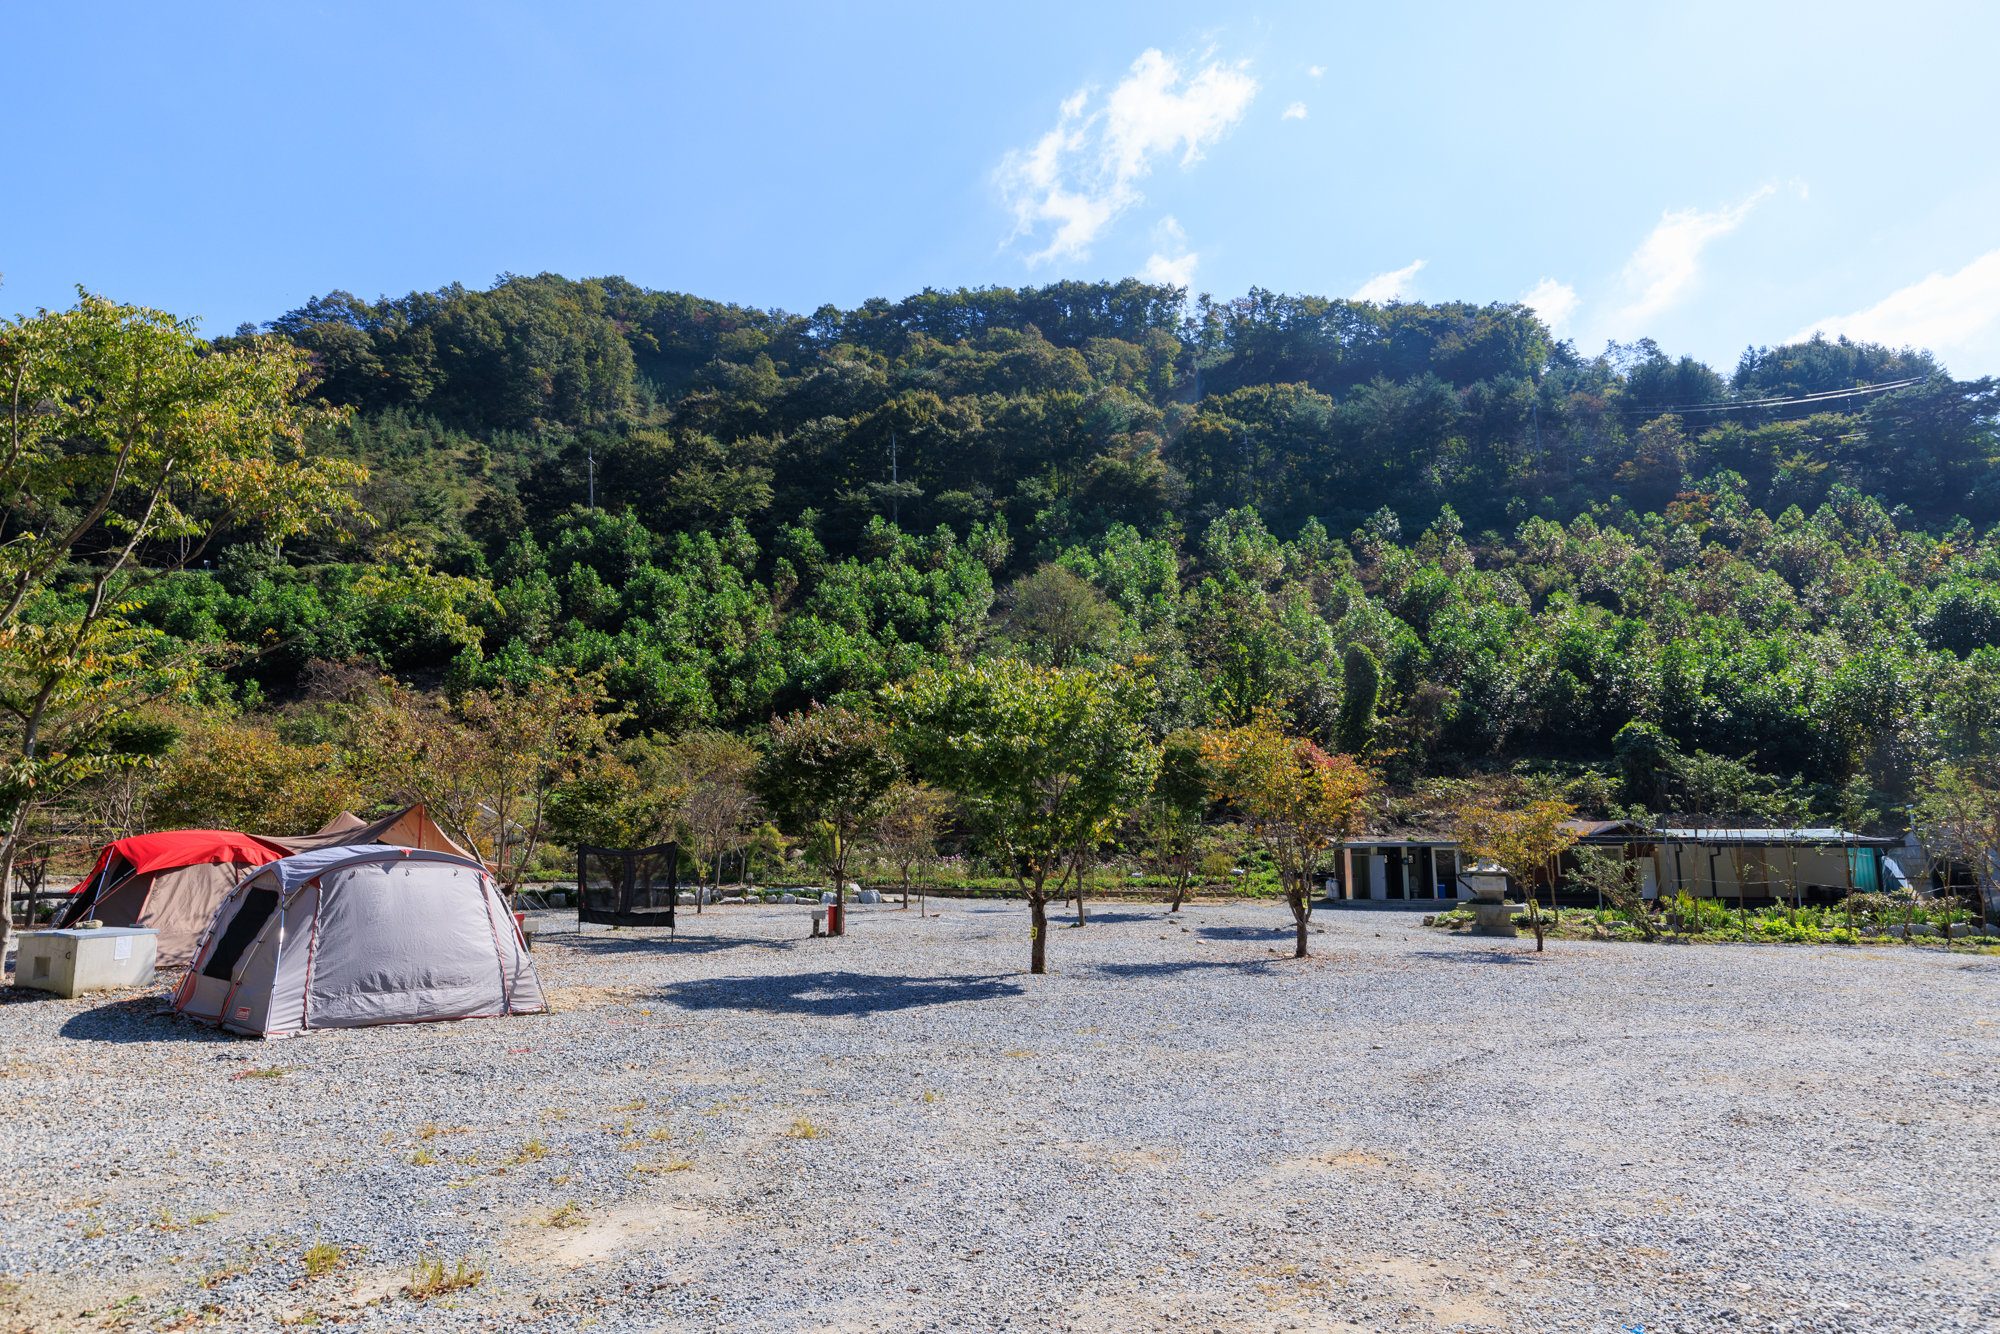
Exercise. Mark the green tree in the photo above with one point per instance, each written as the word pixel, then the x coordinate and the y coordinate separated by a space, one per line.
pixel 1361 684
pixel 1045 761
pixel 1172 816
pixel 1058 618
pixel 828 770
pixel 129 444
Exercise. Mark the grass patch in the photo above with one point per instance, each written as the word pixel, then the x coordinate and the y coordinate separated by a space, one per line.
pixel 423 1157
pixel 803 1128
pixel 229 1269
pixel 631 1106
pixel 930 1095
pixel 322 1258
pixel 665 1166
pixel 531 1152
pixel 93 1228
pixel 568 1215
pixel 433 1278
pixel 166 1222
pixel 659 1134
pixel 267 1072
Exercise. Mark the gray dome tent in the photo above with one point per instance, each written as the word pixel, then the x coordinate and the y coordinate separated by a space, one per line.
pixel 344 937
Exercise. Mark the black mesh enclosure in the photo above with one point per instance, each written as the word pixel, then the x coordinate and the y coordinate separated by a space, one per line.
pixel 627 886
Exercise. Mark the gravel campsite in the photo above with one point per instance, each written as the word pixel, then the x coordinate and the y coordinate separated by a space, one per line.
pixel 1180 1128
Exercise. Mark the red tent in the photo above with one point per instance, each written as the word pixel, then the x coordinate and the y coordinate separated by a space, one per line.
pixel 171 882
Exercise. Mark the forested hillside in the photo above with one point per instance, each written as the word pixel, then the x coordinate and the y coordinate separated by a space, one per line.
pixel 1535 547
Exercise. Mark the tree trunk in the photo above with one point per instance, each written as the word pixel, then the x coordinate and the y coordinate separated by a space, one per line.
pixel 1301 911
pixel 1081 918
pixel 1038 918
pixel 840 885
pixel 9 854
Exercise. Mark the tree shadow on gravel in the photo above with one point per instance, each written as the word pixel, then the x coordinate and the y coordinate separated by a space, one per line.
pixel 655 941
pixel 1171 968
pixel 1472 954
pixel 1112 916
pixel 834 993
pixel 1287 932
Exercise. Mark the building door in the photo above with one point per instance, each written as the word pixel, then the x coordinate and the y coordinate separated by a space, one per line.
pixel 1447 872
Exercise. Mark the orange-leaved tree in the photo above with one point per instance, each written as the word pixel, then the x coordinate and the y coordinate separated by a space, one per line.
pixel 1298 799
pixel 1526 840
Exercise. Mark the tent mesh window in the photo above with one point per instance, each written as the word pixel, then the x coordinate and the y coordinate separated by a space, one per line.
pixel 87 894
pixel 627 886
pixel 258 905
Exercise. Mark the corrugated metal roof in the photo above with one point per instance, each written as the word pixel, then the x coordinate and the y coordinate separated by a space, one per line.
pixel 1826 834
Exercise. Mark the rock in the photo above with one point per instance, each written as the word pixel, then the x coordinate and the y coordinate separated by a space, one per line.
pixel 788 898
pixel 827 896
pixel 733 898
pixel 868 896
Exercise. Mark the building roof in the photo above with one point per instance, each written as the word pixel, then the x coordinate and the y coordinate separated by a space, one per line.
pixel 1807 836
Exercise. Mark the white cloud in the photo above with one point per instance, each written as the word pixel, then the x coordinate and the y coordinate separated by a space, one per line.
pixel 1085 172
pixel 1555 302
pixel 1936 313
pixel 1668 260
pixel 1316 70
pixel 1172 262
pixel 1386 287
pixel 1296 111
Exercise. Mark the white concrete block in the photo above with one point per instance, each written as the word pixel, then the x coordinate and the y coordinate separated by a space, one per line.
pixel 70 963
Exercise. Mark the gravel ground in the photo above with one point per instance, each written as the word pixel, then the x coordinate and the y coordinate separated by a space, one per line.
pixel 1180 1129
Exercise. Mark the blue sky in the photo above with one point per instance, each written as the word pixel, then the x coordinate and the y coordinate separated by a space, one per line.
pixel 1710 175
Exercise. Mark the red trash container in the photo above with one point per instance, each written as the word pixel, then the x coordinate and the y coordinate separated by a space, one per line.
pixel 836 919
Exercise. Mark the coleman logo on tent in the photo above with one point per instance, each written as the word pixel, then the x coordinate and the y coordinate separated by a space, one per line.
pixel 242 1012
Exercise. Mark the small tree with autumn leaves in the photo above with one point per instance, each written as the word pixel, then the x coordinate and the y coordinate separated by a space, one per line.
pixel 1525 839
pixel 1298 799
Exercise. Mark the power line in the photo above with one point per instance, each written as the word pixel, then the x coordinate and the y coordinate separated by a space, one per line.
pixel 1824 396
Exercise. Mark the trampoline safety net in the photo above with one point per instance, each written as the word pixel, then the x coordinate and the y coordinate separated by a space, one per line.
pixel 627 886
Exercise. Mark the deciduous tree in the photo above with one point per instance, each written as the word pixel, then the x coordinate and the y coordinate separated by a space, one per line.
pixel 832 767
pixel 1298 799
pixel 1045 760
pixel 1525 839
pixel 128 444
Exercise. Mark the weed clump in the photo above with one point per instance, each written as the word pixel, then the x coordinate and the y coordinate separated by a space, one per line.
pixel 433 1278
